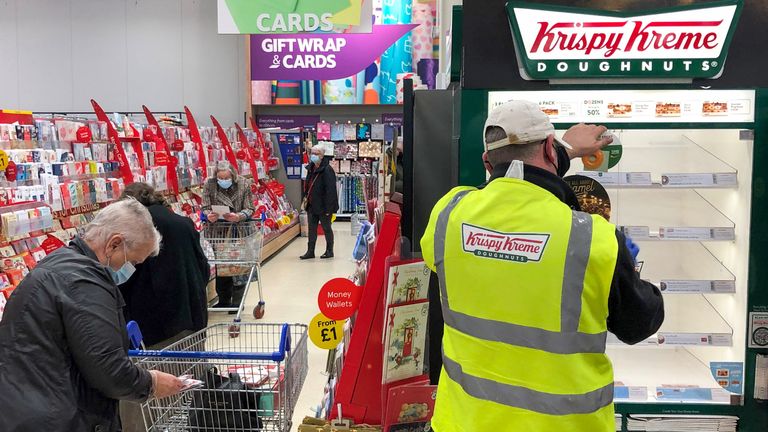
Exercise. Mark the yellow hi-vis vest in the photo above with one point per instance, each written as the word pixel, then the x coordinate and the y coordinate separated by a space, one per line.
pixel 524 284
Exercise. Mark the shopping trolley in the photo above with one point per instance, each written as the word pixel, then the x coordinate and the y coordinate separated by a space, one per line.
pixel 252 383
pixel 235 247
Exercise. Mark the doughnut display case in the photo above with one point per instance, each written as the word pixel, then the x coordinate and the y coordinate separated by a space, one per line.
pixel 682 190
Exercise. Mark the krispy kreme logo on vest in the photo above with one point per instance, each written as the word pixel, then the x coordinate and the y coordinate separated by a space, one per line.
pixel 519 247
pixel 687 42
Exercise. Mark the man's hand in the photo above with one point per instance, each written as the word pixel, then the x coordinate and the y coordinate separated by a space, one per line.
pixel 633 248
pixel 212 217
pixel 165 385
pixel 585 139
pixel 232 217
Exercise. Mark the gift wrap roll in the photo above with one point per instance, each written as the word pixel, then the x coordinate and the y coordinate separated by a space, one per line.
pixel 341 91
pixel 397 58
pixel 421 36
pixel 428 69
pixel 261 92
pixel 288 92
pixel 372 92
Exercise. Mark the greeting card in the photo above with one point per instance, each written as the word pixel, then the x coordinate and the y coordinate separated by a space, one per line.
pixel 406 329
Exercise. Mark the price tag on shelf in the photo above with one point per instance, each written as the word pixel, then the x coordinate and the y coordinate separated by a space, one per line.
pixel 637 232
pixel 700 339
pixel 697 286
pixel 697 233
pixel 619 178
pixel 325 333
pixel 634 393
pixel 699 180
pixel 741 106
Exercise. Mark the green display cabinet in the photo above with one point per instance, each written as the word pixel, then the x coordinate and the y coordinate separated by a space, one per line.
pixel 690 188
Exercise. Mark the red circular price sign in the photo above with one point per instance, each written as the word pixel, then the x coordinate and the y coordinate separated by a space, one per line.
pixel 339 298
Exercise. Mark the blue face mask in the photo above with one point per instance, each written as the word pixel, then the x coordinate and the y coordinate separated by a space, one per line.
pixel 125 272
pixel 315 159
pixel 224 184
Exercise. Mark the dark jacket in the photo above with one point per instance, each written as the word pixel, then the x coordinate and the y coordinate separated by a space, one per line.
pixel 320 189
pixel 63 349
pixel 635 306
pixel 166 295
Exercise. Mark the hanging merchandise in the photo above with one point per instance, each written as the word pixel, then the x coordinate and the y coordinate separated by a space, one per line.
pixel 363 131
pixel 350 132
pixel 377 131
pixel 397 59
pixel 337 132
pixel 323 131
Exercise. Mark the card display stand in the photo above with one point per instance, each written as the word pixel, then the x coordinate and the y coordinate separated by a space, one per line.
pixel 358 389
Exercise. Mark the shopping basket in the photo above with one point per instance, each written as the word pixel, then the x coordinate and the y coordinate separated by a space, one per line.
pixel 252 382
pixel 235 249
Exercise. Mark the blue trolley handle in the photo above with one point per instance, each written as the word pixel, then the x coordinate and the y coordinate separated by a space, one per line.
pixel 276 356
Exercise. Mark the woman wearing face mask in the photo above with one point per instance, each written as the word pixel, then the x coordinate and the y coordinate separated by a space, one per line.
pixel 233 191
pixel 322 200
pixel 63 345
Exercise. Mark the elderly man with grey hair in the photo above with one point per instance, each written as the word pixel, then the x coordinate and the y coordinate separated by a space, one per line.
pixel 227 189
pixel 63 344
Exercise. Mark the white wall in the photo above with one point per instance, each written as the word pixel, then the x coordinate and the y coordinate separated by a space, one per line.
pixel 55 55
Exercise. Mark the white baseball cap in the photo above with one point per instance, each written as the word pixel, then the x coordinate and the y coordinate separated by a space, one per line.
pixel 523 121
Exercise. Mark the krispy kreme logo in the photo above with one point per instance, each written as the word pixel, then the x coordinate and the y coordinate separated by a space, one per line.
pixel 519 247
pixel 687 42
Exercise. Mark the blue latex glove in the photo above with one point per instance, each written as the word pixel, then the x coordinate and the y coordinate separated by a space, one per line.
pixel 633 248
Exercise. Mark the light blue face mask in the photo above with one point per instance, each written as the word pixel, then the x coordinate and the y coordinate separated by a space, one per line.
pixel 315 159
pixel 125 272
pixel 224 184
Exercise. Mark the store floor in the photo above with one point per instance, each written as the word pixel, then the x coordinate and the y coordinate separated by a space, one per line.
pixel 290 291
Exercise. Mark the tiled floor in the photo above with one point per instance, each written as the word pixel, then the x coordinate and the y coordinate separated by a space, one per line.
pixel 290 291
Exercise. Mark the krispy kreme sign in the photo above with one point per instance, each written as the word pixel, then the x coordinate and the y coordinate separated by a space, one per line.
pixel 562 43
pixel 519 247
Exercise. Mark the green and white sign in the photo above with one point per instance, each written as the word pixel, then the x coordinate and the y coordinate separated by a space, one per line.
pixel 554 42
pixel 287 16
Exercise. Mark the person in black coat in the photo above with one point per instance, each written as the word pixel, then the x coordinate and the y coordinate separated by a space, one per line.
pixel 63 344
pixel 322 201
pixel 167 295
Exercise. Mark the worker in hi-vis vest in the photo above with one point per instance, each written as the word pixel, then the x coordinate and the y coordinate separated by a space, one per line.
pixel 530 286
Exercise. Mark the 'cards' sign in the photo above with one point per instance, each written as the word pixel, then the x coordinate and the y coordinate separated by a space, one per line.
pixel 563 43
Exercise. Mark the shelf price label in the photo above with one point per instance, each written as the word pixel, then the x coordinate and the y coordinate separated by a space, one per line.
pixel 325 333
pixel 697 286
pixel 701 339
pixel 634 393
pixel 697 233
pixel 614 179
pixel 637 232
pixel 699 180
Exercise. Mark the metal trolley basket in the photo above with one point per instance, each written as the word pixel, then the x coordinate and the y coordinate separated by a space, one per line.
pixel 252 382
pixel 235 249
